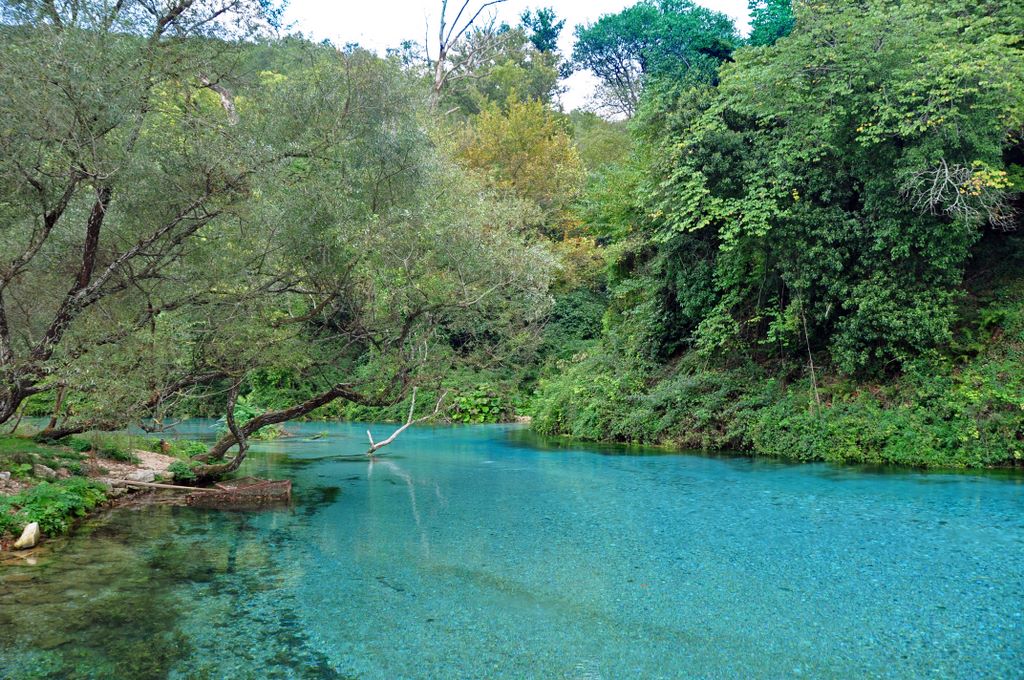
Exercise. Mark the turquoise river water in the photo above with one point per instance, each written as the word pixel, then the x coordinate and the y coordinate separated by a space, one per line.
pixel 475 552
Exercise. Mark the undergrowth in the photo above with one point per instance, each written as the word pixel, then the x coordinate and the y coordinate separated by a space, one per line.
pixel 55 505
pixel 961 407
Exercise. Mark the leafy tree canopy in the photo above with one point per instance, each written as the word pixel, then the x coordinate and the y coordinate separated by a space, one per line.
pixel 769 20
pixel 544 28
pixel 827 194
pixel 670 39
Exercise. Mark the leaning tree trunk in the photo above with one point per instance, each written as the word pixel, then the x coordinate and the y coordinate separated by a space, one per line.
pixel 214 462
pixel 57 433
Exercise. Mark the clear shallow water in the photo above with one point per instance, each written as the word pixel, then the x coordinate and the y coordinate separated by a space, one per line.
pixel 470 553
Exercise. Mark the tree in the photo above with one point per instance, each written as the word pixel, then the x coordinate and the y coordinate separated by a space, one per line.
pixel 97 199
pixel 544 28
pixel 769 20
pixel 601 143
pixel 512 70
pixel 805 204
pixel 450 36
pixel 526 150
pixel 194 212
pixel 670 39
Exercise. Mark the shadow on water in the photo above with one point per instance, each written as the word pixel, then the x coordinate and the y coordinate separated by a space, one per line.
pixel 311 501
pixel 525 438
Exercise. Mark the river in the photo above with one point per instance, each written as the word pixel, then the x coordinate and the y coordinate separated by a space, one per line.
pixel 477 552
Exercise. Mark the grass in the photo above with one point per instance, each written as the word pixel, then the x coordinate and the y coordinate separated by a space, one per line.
pixel 55 505
pixel 19 454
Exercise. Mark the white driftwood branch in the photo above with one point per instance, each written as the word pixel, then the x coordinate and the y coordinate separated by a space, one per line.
pixel 409 421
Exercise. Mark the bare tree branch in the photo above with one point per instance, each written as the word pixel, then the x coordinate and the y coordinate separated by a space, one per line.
pixel 377 446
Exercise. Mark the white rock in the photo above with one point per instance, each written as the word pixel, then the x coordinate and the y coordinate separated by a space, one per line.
pixel 40 470
pixel 29 537
pixel 141 476
pixel 4 476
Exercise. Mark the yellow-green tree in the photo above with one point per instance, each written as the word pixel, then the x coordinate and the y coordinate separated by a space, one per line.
pixel 526 150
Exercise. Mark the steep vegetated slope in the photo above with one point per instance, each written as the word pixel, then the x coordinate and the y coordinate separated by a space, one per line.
pixel 817 255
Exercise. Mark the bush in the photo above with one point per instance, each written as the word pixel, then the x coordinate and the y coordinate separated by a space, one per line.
pixel 182 471
pixel 479 405
pixel 116 452
pixel 55 505
pixel 179 448
pixel 79 444
pixel 936 414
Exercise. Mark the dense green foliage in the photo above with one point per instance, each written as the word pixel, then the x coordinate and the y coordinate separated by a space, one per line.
pixel 192 206
pixel 963 409
pixel 769 21
pixel 673 40
pixel 809 253
pixel 798 243
pixel 544 27
pixel 55 505
pixel 18 455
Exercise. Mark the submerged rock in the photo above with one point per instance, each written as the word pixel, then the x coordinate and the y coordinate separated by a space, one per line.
pixel 40 470
pixel 29 537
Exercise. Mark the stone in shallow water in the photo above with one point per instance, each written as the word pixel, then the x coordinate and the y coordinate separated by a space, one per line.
pixel 29 537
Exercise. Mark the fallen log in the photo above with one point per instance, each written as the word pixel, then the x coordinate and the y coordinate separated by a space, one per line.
pixel 154 485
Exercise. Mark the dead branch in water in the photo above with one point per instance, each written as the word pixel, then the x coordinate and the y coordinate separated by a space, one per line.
pixel 376 446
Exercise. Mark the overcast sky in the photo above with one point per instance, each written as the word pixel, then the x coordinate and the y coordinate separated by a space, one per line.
pixel 379 24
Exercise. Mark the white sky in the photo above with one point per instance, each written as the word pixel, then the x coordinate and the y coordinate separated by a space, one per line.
pixel 379 24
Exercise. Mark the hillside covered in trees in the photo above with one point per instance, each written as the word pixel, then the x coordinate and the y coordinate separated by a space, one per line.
pixel 804 242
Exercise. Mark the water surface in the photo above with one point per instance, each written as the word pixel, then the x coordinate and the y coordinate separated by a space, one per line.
pixel 469 553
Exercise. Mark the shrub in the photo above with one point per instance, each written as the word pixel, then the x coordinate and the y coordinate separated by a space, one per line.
pixel 116 452
pixel 54 505
pixel 182 471
pixel 179 448
pixel 79 444
pixel 479 405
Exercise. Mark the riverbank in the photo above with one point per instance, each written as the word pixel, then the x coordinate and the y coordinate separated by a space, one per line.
pixel 958 406
pixel 57 484
pixel 972 417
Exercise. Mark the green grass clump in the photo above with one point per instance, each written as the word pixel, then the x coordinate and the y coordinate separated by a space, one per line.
pixel 55 505
pixel 19 454
pixel 118 453
pixel 182 471
pixel 12 445
pixel 179 448
pixel 80 444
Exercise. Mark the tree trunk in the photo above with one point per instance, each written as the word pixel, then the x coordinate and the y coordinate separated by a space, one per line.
pixel 211 470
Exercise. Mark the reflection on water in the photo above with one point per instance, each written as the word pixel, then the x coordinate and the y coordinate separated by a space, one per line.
pixel 472 553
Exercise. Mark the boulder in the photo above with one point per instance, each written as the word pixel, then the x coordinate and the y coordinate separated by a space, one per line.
pixel 63 473
pixel 29 537
pixel 40 470
pixel 141 476
pixel 4 476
